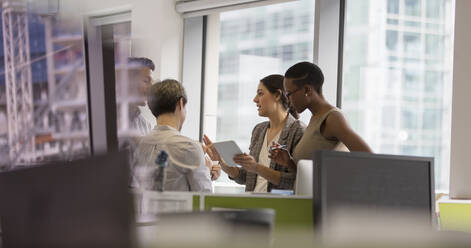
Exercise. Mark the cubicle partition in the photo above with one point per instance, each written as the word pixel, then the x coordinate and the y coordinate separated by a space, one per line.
pixel 290 211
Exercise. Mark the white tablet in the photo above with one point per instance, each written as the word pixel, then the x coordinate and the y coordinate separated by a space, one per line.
pixel 227 150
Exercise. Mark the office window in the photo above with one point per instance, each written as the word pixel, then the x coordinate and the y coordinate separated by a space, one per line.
pixel 288 53
pixel 412 44
pixel 433 83
pixel 434 45
pixel 412 7
pixel 392 21
pixel 259 29
pixel 434 9
pixel 288 21
pixel 402 89
pixel 304 22
pixel 247 55
pixel 275 21
pixel 412 24
pixel 393 6
pixel 43 102
pixel 391 40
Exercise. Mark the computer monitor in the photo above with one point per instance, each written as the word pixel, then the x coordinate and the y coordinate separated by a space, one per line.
pixel 84 203
pixel 372 182
pixel 304 178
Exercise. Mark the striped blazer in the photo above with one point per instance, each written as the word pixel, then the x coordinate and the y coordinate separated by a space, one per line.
pixel 289 136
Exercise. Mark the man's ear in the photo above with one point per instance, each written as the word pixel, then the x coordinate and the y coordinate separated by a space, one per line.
pixel 180 103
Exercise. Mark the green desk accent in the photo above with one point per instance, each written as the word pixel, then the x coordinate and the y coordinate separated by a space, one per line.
pixel 290 211
pixel 196 203
pixel 455 215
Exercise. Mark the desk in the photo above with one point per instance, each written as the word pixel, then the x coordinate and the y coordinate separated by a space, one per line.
pixel 291 211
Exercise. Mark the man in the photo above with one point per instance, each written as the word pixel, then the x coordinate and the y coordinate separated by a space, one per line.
pixel 139 78
pixel 188 169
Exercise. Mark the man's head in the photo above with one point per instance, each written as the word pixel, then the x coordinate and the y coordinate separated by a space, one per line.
pixel 168 98
pixel 140 74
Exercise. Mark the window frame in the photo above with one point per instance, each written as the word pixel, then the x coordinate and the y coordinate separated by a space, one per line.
pixel 100 68
pixel 329 29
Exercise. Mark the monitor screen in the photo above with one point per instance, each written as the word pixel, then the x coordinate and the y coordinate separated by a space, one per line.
pixel 372 181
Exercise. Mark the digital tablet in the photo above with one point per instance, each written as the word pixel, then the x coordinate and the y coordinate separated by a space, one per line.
pixel 227 150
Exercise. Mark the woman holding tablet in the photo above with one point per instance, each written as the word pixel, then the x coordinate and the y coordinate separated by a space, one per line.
pixel 257 171
pixel 327 129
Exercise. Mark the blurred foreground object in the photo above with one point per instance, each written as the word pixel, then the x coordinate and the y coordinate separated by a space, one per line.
pixel 455 215
pixel 84 203
pixel 372 182
pixel 357 227
pixel 233 228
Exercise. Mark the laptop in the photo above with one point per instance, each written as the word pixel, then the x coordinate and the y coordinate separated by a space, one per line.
pixel 84 203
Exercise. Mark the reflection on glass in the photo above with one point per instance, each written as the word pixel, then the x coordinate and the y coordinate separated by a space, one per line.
pixel 398 95
pixel 43 101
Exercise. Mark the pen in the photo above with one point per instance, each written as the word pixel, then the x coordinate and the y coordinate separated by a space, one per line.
pixel 277 147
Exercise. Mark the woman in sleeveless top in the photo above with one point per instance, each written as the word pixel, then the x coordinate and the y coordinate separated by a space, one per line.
pixel 257 172
pixel 327 130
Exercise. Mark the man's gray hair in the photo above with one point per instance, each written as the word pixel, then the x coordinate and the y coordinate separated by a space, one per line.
pixel 164 96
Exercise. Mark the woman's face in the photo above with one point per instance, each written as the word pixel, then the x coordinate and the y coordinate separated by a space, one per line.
pixel 295 95
pixel 265 101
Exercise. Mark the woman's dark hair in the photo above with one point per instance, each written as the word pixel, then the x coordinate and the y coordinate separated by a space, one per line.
pixel 306 73
pixel 164 96
pixel 274 84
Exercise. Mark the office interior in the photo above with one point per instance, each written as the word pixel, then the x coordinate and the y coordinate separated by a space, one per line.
pixel 397 69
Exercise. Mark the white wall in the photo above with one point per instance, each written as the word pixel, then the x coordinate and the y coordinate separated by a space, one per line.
pixel 192 74
pixel 157 31
pixel 460 167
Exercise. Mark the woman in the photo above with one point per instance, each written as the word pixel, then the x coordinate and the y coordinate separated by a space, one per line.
pixel 327 129
pixel 258 173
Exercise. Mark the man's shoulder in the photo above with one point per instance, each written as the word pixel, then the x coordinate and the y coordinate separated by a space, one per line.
pixel 178 138
pixel 175 140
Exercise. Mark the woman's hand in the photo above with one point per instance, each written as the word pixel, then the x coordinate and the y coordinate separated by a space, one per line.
pixel 209 149
pixel 280 155
pixel 247 162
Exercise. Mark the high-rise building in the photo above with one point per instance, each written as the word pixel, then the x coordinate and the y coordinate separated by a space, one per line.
pixel 398 77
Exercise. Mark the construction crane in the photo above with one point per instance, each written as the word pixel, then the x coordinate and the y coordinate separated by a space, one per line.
pixel 18 80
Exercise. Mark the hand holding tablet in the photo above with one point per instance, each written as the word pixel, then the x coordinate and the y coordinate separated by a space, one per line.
pixel 227 151
pixel 221 151
pixel 215 152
